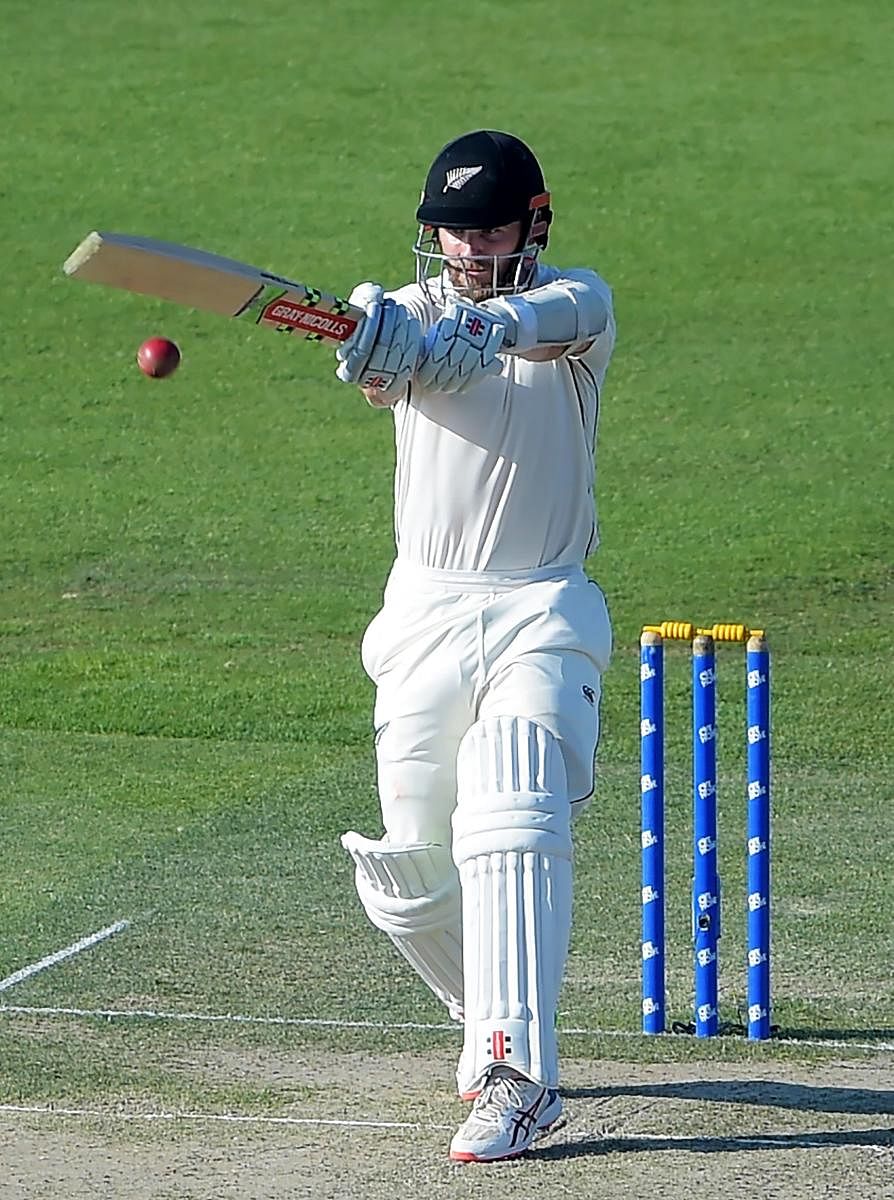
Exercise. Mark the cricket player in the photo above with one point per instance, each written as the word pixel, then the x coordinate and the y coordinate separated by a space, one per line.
pixel 489 648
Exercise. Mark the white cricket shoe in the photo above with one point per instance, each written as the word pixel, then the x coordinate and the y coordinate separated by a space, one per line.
pixel 508 1115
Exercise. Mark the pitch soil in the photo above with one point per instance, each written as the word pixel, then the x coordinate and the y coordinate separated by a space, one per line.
pixel 631 1130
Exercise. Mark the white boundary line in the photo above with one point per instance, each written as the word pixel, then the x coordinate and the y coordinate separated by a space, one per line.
pixel 234 1118
pixel 397 1027
pixel 58 956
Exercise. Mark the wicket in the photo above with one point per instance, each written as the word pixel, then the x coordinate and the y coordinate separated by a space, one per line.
pixel 706 926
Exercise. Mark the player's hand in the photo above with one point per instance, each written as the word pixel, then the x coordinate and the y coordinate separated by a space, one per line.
pixel 460 349
pixel 382 352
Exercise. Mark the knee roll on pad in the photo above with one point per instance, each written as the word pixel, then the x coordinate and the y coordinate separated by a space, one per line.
pixel 511 791
pixel 512 844
pixel 412 893
pixel 404 888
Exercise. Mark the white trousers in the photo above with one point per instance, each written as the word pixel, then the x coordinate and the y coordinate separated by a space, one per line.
pixel 448 649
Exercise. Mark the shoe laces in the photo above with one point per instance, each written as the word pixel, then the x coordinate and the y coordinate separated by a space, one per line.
pixel 503 1089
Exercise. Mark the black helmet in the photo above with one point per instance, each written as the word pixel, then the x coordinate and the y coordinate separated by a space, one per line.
pixel 485 179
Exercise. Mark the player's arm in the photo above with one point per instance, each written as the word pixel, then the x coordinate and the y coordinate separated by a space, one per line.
pixel 381 399
pixel 563 316
pixel 544 353
pixel 567 315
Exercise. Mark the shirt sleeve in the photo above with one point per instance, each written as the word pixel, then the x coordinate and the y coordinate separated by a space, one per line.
pixel 597 352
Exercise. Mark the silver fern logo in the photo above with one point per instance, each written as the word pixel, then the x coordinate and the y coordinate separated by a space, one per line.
pixel 458 177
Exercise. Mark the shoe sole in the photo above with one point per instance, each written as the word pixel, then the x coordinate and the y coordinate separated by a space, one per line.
pixel 466 1156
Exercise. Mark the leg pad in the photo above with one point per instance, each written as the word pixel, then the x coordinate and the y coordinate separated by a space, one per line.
pixel 512 844
pixel 412 893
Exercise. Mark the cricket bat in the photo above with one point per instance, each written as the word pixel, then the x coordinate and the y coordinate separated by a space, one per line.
pixel 197 279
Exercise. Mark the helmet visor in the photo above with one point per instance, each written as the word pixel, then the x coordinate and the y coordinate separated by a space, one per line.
pixel 476 277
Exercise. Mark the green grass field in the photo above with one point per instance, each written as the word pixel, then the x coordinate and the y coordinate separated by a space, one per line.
pixel 186 567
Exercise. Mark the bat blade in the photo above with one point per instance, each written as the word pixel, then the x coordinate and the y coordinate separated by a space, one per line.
pixel 198 279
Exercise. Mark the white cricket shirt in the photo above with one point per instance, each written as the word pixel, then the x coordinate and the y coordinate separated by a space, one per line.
pixel 501 478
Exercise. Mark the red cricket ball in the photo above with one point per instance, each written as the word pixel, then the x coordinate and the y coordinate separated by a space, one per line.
pixel 158 357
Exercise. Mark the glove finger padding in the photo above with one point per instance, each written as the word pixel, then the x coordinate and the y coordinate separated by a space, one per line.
pixel 383 351
pixel 460 349
pixel 387 328
pixel 394 358
pixel 353 354
pixel 438 342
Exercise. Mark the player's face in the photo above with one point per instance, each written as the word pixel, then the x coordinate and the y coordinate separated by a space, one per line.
pixel 481 260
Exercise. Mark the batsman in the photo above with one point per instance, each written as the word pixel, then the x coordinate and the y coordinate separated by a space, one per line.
pixel 488 651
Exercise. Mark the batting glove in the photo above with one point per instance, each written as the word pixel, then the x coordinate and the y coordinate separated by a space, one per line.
pixel 460 349
pixel 383 351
